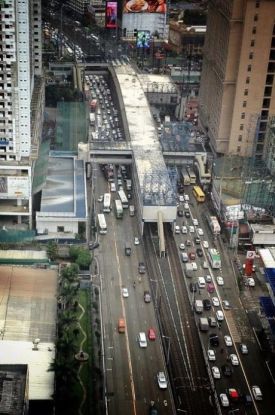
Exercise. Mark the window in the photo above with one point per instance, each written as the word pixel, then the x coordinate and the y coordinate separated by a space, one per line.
pixel 240 138
pixel 238 149
pixel 254 30
pixel 251 55
pixel 246 92
pixel 247 80
pixel 244 104
pixel 241 127
pixel 266 103
pixel 255 18
pixel 252 43
pixel 272 55
pixel 268 91
pixel 257 5
pixel 60 229
pixel 243 116
pixel 269 79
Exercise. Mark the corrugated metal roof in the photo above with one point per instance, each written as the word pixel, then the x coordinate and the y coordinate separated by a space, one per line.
pixel 267 258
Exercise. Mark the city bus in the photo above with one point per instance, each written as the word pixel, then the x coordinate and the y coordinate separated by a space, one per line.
pixel 102 224
pixel 107 203
pixel 185 177
pixel 198 193
pixel 123 198
pixel 214 258
pixel 118 209
pixel 192 175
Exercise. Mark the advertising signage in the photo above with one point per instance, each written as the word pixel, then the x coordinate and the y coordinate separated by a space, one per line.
pixel 143 39
pixel 111 15
pixel 144 6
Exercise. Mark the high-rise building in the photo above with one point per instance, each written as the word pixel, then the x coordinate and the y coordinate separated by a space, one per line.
pixel 21 106
pixel 237 92
pixel 79 6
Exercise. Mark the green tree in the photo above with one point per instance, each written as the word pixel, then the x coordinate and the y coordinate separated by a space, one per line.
pixel 70 273
pixel 84 259
pixel 74 252
pixel 52 250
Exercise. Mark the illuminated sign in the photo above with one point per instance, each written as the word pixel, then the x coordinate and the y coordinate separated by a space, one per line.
pixel 143 39
pixel 142 6
pixel 111 15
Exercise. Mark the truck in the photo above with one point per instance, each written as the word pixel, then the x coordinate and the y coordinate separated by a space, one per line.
pixel 189 270
pixel 132 210
pixel 129 184
pixel 213 224
pixel 199 307
pixel 92 119
pixel 203 324
pixel 127 249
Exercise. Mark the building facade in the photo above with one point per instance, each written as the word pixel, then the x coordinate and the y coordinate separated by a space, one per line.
pixel 21 106
pixel 79 6
pixel 237 92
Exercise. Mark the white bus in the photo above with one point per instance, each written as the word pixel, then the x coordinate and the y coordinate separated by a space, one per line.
pixel 102 224
pixel 192 175
pixel 214 258
pixel 123 198
pixel 118 209
pixel 107 203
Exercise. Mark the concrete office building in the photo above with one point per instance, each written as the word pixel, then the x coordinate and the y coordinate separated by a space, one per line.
pixel 21 106
pixel 79 6
pixel 237 92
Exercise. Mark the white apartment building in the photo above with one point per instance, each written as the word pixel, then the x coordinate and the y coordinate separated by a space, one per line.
pixel 21 106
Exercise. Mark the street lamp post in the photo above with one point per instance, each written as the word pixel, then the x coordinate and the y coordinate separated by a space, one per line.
pixel 168 350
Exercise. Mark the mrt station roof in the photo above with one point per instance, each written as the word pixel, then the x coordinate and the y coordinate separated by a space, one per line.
pixel 154 180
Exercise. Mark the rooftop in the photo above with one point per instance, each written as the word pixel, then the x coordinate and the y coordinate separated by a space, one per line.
pixel 12 391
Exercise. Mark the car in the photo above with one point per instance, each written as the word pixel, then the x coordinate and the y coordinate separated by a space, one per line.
pixel 93 245
pixel 224 400
pixel 199 252
pixel 181 198
pixel 226 305
pixel 219 315
pixel 125 292
pixel 216 372
pixel 184 229
pixel 206 304
pixel 211 287
pixel 228 341
pixel 251 282
pixel 215 302
pixel 205 265
pixel 205 244
pixel 220 280
pixel 243 348
pixel 208 278
pixel 162 381
pixel 141 268
pixel 177 229
pixel 187 214
pixel 136 240
pixel 100 199
pixel 211 355
pixel 180 213
pixel 188 243
pixel 186 198
pixel 195 267
pixel 192 255
pixel 182 246
pixel 234 359
pixel 214 340
pixel 257 393
pixel 200 231
pixel 193 287
pixel 227 370
pixel 191 229
pixel 195 222
pixel 185 205
pixel 152 334
pixel 197 240
pixel 147 297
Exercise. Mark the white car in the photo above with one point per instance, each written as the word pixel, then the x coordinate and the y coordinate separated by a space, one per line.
pixel 228 341
pixel 205 244
pixel 224 399
pixel 200 231
pixel 244 349
pixel 211 355
pixel 215 301
pixel 100 199
pixel 195 222
pixel 184 229
pixel 162 382
pixel 136 240
pixel 191 229
pixel 220 280
pixel 234 359
pixel 177 229
pixel 251 282
pixel 219 315
pixel 185 205
pixel 216 372
pixel 208 278
pixel 257 393
pixel 195 267
pixel 125 292
pixel 182 247
pixel 186 198
pixel 181 198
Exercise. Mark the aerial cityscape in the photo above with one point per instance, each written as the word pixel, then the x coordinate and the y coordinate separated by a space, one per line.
pixel 137 207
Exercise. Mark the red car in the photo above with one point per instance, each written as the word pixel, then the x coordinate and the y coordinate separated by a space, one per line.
pixel 151 334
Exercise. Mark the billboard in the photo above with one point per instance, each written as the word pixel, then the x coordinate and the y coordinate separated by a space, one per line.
pixel 143 39
pixel 111 15
pixel 144 6
pixel 12 187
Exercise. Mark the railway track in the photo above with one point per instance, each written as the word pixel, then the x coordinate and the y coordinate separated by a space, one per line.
pixel 184 356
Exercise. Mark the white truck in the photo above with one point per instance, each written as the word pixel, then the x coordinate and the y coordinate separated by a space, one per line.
pixel 199 307
pixel 203 323
pixel 189 270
